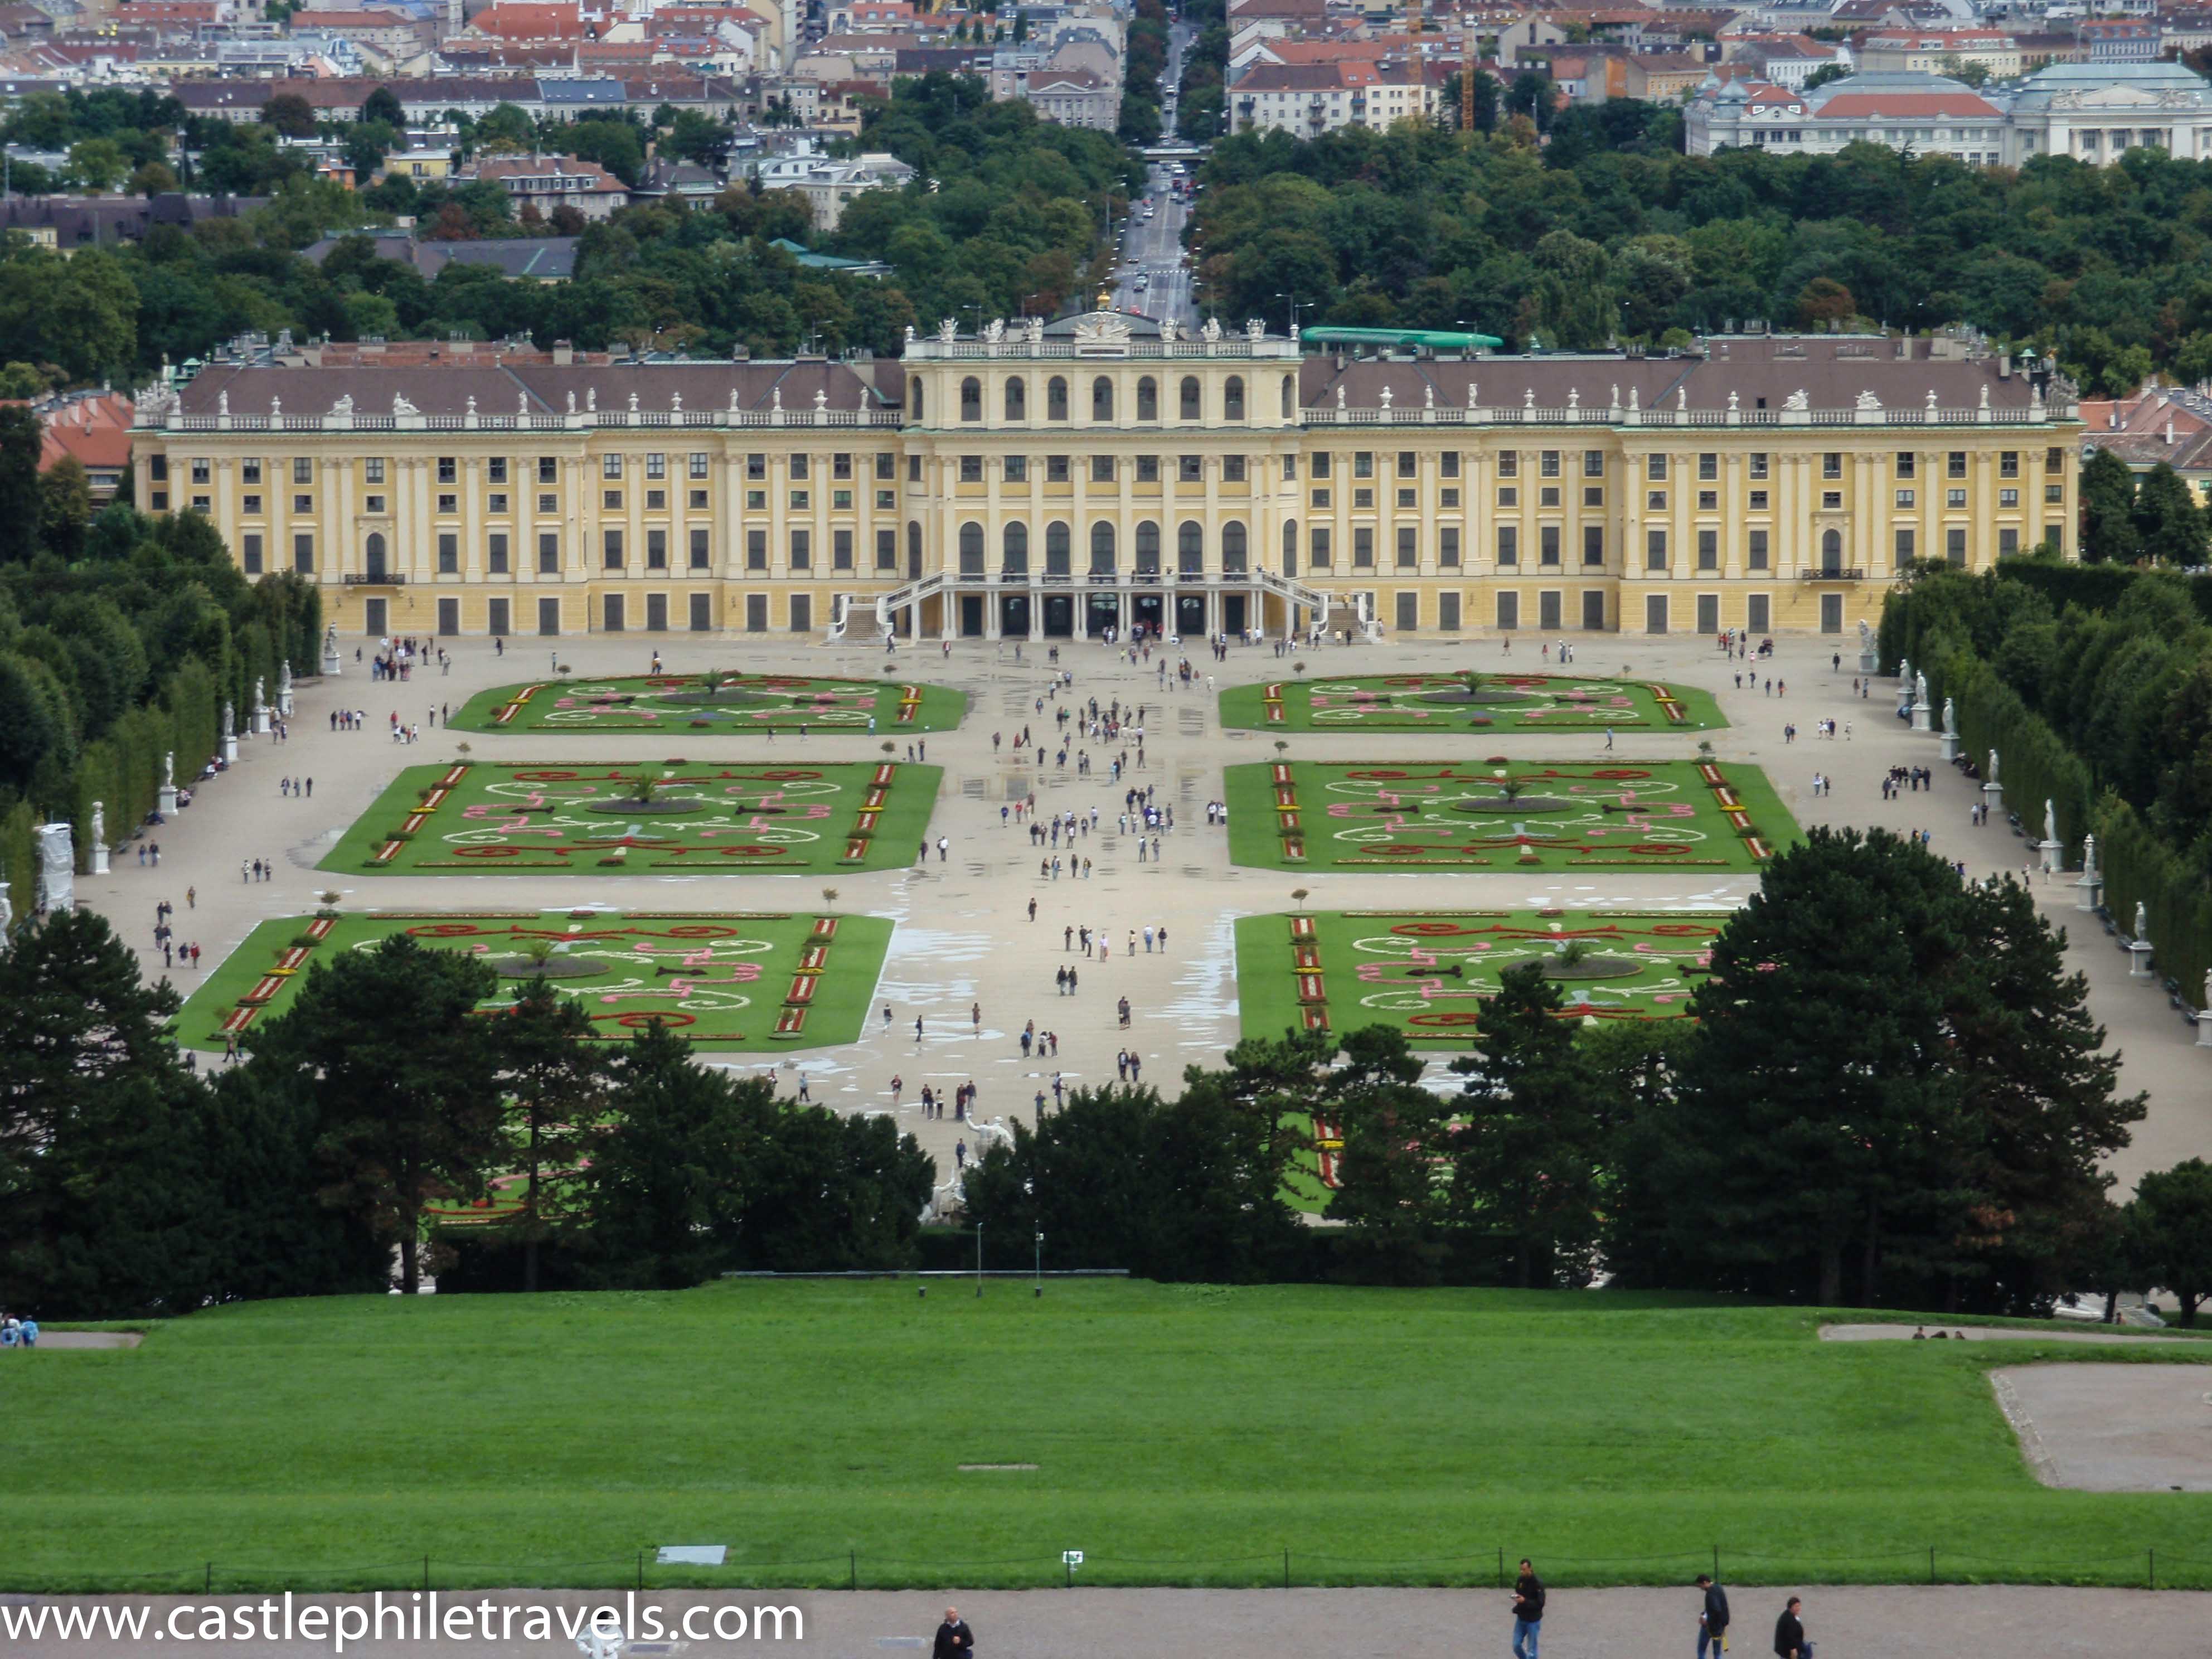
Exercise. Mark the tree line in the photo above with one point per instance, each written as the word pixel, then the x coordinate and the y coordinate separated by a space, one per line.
pixel 121 638
pixel 1890 1092
pixel 1008 216
pixel 2094 685
pixel 1608 231
pixel 132 1185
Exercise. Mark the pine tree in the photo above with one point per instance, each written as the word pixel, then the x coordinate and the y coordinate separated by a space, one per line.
pixel 406 1077
pixel 1526 1152
pixel 555 1077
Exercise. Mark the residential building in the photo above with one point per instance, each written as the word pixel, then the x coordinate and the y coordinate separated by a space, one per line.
pixel 548 182
pixel 1308 99
pixel 91 427
pixel 1939 52
pixel 1052 480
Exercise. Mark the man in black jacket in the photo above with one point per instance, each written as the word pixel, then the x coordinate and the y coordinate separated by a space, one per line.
pixel 1712 1616
pixel 1789 1641
pixel 1527 1612
pixel 954 1639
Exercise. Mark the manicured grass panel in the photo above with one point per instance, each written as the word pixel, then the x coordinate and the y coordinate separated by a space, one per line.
pixel 1183 1434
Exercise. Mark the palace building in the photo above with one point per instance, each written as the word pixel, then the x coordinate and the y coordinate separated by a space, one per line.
pixel 1055 480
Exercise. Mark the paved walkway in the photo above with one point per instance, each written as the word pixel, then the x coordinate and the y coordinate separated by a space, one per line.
pixel 1944 1622
pixel 963 933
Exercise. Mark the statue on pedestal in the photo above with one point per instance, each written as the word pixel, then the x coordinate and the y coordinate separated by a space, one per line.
pixel 229 720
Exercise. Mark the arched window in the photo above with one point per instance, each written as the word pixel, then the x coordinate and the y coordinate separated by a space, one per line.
pixel 1101 399
pixel 1017 399
pixel 913 545
pixel 1190 548
pixel 1831 552
pixel 372 556
pixel 1232 399
pixel 971 399
pixel 1055 399
pixel 971 549
pixel 1017 560
pixel 1290 547
pixel 1101 547
pixel 1290 397
pixel 1148 549
pixel 1190 401
pixel 1232 550
pixel 1148 399
pixel 1056 549
pixel 913 398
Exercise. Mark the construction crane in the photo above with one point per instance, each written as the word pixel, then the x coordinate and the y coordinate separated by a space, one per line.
pixel 1466 73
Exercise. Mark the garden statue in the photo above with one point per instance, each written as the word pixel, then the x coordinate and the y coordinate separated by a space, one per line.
pixel 1991 781
pixel 260 702
pixel 1920 690
pixel 7 906
pixel 2142 921
pixel 169 769
pixel 2050 823
pixel 1866 636
pixel 99 823
pixel 284 677
pixel 1950 718
pixel 229 720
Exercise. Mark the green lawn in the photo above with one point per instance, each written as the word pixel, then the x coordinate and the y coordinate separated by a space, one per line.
pixel 1325 816
pixel 1425 971
pixel 1181 1435
pixel 744 983
pixel 752 817
pixel 1500 703
pixel 720 702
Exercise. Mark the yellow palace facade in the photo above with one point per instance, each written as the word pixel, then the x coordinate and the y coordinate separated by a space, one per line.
pixel 1105 473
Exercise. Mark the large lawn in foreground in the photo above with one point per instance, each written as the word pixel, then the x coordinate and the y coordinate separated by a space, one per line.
pixel 1426 972
pixel 747 983
pixel 1181 1435
pixel 1501 814
pixel 1478 701
pixel 750 818
pixel 719 702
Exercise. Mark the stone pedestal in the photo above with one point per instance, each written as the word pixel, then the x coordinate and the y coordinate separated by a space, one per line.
pixel 2053 856
pixel 330 661
pixel 230 752
pixel 167 806
pixel 1920 720
pixel 2139 959
pixel 1951 746
pixel 1870 662
pixel 2205 1029
pixel 99 859
pixel 284 702
pixel 1993 798
pixel 261 722
pixel 2092 890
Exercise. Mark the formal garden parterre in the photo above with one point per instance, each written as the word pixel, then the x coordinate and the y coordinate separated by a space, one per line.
pixel 1471 699
pixel 503 818
pixel 1500 814
pixel 1426 973
pixel 738 982
pixel 722 702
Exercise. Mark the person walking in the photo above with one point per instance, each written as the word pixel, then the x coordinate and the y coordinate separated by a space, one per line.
pixel 1789 1641
pixel 1712 1618
pixel 954 1639
pixel 1528 1611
